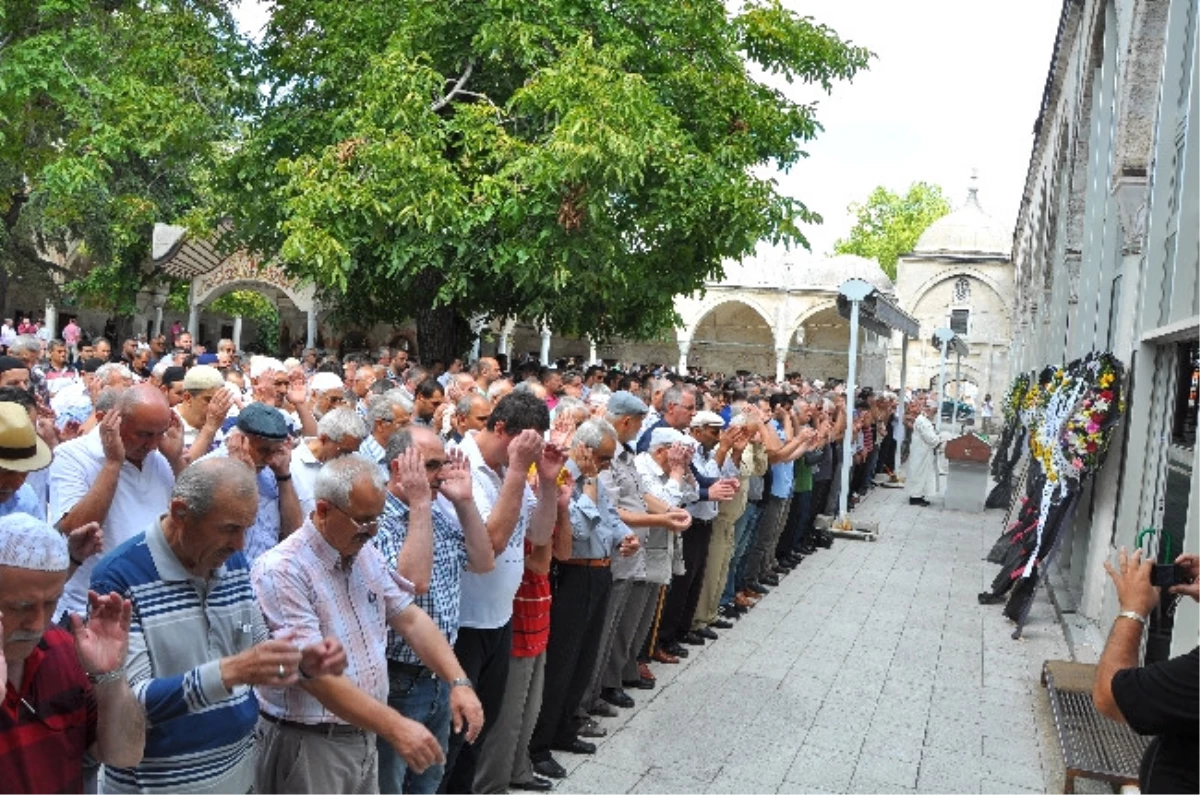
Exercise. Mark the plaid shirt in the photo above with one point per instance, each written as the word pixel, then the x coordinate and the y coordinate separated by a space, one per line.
pixel 449 560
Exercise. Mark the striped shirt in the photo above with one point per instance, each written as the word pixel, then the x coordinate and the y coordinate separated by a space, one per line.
pixel 445 581
pixel 199 736
pixel 304 585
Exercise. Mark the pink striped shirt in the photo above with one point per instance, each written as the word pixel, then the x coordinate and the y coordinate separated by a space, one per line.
pixel 303 586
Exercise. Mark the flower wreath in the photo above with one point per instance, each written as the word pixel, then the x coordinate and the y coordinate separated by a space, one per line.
pixel 1087 432
pixel 1015 398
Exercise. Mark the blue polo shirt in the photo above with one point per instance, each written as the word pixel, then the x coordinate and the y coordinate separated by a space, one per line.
pixel 783 472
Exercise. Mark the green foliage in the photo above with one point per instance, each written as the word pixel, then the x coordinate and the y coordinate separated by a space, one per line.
pixel 577 161
pixel 252 306
pixel 888 225
pixel 110 112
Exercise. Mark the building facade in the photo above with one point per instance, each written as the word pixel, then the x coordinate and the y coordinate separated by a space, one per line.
pixel 1105 257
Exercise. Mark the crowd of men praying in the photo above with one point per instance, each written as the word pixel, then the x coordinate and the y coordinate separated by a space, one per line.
pixel 230 573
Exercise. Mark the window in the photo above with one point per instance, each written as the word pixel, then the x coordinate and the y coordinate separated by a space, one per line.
pixel 962 290
pixel 960 321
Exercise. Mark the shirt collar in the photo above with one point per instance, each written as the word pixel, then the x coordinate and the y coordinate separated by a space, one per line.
pixel 330 557
pixel 305 453
pixel 165 559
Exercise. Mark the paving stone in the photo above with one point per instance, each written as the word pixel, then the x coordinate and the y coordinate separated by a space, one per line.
pixel 664 781
pixel 597 777
pixel 889 768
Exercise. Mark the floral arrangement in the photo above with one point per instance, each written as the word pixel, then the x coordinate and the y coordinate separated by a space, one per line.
pixel 1015 398
pixel 1087 432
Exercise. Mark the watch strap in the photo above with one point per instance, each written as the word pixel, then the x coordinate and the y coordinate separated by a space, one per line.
pixel 1138 617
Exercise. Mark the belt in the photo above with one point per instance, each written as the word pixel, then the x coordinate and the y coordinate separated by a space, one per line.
pixel 410 669
pixel 324 729
pixel 591 563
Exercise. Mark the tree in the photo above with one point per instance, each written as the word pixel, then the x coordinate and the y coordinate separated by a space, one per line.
pixel 580 162
pixel 888 225
pixel 110 115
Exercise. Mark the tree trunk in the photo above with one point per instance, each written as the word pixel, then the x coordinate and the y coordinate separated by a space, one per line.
pixel 437 334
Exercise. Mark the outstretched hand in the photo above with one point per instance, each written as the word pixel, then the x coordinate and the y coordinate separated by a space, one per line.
pixel 102 641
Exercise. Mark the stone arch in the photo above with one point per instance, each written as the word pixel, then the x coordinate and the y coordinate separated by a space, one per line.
pixel 716 302
pixel 954 273
pixel 817 308
pixel 243 272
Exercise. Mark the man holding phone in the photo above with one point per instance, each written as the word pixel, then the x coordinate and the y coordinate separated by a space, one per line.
pixel 1162 699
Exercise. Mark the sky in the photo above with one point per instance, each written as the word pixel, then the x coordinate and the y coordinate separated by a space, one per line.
pixel 955 87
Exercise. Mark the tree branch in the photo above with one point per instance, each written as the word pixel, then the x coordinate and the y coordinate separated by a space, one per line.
pixel 458 87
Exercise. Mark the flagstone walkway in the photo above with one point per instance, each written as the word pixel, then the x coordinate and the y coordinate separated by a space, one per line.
pixel 871 668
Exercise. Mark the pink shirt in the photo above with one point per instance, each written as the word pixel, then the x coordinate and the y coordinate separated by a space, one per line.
pixel 303 586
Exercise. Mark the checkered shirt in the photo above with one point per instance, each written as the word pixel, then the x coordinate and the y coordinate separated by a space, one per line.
pixel 449 560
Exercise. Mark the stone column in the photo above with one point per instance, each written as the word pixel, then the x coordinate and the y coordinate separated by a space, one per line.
pixel 237 333
pixel 780 363
pixel 310 335
pixel 544 356
pixel 478 324
pixel 158 300
pixel 591 351
pixel 506 330
pixel 50 318
pixel 684 347
pixel 193 324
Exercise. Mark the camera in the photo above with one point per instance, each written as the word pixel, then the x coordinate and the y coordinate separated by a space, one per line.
pixel 1164 575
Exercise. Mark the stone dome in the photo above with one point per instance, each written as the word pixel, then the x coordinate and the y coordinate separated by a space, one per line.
pixel 828 274
pixel 966 231
pixel 778 268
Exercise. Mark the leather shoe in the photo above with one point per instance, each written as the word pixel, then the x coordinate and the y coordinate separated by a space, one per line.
pixel 537 784
pixel 617 697
pixel 638 684
pixel 741 610
pixel 692 639
pixel 576 746
pixel 591 728
pixel 645 673
pixel 721 624
pixel 756 587
pixel 705 633
pixel 919 501
pixel 675 649
pixel 662 657
pixel 769 579
pixel 602 709
pixel 549 768
pixel 727 612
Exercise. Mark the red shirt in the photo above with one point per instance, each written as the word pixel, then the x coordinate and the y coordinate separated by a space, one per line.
pixel 531 614
pixel 47 726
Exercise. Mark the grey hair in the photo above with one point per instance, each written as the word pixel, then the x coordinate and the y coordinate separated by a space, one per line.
pixel 337 477
pixel 381 407
pixel 105 370
pixel 600 389
pixel 340 423
pixel 673 396
pixel 197 485
pixel 108 398
pixel 739 418
pixel 463 406
pixel 592 433
pixel 524 388
pixel 568 403
pixel 495 387
pixel 25 343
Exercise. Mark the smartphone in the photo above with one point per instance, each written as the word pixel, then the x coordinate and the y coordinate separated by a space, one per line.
pixel 1164 575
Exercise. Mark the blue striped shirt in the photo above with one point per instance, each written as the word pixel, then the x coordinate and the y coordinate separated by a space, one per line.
pixel 199 736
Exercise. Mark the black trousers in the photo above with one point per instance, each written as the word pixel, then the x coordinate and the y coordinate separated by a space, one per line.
pixel 577 610
pixel 684 595
pixel 791 527
pixel 821 489
pixel 484 655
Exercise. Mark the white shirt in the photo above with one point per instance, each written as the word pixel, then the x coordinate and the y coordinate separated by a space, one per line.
pixel 486 601
pixel 706 464
pixel 142 495
pixel 305 467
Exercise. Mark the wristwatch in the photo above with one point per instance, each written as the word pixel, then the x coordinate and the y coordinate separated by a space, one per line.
pixel 107 676
pixel 462 681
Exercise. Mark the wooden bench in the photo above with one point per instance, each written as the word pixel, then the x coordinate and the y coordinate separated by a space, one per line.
pixel 1093 746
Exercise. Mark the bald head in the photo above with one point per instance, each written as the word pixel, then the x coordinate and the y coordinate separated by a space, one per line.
pixel 145 419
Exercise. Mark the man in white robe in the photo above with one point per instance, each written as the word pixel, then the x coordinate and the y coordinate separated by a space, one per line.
pixel 922 457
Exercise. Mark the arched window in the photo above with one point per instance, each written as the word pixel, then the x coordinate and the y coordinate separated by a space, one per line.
pixel 962 290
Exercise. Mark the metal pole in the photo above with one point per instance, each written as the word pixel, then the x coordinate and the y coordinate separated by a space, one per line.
pixel 957 388
pixel 848 439
pixel 942 382
pixel 900 429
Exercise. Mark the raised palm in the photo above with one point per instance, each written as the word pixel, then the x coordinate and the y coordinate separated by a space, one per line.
pixel 103 641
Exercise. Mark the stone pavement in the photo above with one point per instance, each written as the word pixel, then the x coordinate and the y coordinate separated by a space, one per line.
pixel 871 668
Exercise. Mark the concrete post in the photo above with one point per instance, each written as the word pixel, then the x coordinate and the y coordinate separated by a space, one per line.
pixel 684 347
pixel 310 336
pixel 942 382
pixel 544 355
pixel 50 318
pixel 848 438
pixel 237 333
pixel 900 429
pixel 591 352
pixel 780 364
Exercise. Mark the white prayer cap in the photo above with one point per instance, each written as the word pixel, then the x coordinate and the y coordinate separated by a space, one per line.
pixel 290 362
pixel 260 365
pixel 29 543
pixel 323 382
pixel 665 437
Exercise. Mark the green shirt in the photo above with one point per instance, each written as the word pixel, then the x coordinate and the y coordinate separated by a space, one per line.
pixel 802 481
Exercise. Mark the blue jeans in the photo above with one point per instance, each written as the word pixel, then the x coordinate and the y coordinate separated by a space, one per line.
pixel 743 533
pixel 427 701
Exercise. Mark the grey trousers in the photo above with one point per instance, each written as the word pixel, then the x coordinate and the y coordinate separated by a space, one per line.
pixel 761 556
pixel 630 634
pixel 614 611
pixel 292 760
pixel 504 757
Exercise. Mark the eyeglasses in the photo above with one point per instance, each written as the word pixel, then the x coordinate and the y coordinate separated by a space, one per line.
pixel 435 464
pixel 368 527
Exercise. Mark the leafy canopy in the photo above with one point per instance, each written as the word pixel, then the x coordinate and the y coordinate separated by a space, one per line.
pixel 110 115
pixel 577 161
pixel 888 225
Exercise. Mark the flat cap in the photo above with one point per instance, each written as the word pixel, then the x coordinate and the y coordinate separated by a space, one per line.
pixel 707 418
pixel 323 382
pixel 259 419
pixel 625 403
pixel 666 436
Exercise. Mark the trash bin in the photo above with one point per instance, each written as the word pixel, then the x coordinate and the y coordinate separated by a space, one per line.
pixel 968 479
